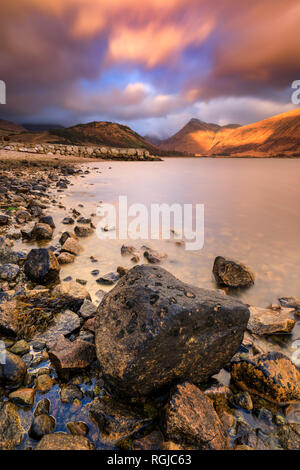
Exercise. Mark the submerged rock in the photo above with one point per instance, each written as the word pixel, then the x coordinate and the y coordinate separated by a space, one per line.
pixel 41 425
pixel 192 420
pixel 269 321
pixel 154 257
pixel 117 420
pixel 11 430
pixel 153 329
pixel 232 274
pixel 272 376
pixel 62 441
pixel 41 266
pixel 78 428
pixel 289 436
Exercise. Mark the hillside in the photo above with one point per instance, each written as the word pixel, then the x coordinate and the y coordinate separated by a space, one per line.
pixel 94 133
pixel 276 136
pixel 197 137
pixel 7 128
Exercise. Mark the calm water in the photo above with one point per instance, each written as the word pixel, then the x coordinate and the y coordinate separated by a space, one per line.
pixel 252 211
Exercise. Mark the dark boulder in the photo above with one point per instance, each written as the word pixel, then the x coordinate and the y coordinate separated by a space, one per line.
pixel 153 330
pixel 48 220
pixel 232 274
pixel 41 266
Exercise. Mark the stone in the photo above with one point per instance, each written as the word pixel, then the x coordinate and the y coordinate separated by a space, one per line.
pixel 108 279
pixel 67 355
pixel 7 255
pixel 72 246
pixel 4 220
pixel 150 313
pixel 41 266
pixel 83 232
pixel 69 393
pixel 20 348
pixel 43 407
pixel 71 294
pixel 42 425
pixel 64 324
pixel 48 220
pixel 88 309
pixel 9 272
pixel 268 321
pixel 78 428
pixel 41 232
pixel 65 235
pixel 153 441
pixel 62 441
pixel 289 436
pixel 23 397
pixel 117 420
pixel 11 430
pixel 192 420
pixel 153 256
pixel 271 376
pixel 232 274
pixel 22 217
pixel 13 371
pixel 66 258
pixel 290 302
pixel 68 221
pixel 90 325
pixel 44 383
pixel 244 400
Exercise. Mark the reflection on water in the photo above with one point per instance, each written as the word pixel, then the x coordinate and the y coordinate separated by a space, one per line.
pixel 251 215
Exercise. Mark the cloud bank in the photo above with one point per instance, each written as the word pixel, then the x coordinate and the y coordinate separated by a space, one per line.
pixel 148 63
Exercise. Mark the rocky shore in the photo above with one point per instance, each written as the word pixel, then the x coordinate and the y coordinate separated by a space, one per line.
pixel 84 151
pixel 157 364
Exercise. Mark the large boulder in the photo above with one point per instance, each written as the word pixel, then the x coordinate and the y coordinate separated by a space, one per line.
pixel 272 376
pixel 231 274
pixel 153 330
pixel 41 266
pixel 192 420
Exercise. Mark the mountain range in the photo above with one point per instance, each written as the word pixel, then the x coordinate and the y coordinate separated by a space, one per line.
pixel 276 136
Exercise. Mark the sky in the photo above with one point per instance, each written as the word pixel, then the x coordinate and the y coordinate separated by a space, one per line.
pixel 150 64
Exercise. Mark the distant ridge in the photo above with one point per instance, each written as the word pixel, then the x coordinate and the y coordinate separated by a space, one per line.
pixel 276 136
pixel 197 137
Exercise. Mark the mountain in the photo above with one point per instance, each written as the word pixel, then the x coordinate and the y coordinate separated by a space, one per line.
pixel 7 127
pixel 153 140
pixel 197 137
pixel 41 127
pixel 276 136
pixel 93 133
